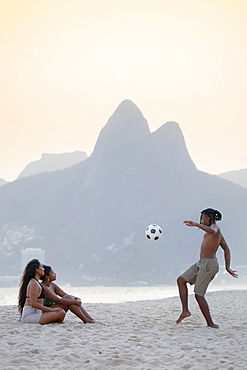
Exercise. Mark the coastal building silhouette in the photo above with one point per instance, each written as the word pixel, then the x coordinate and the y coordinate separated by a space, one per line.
pixel 30 253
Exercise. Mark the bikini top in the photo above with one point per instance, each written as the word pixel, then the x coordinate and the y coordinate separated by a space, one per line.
pixel 42 294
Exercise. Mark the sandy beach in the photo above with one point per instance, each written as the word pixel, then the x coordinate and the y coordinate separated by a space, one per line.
pixel 132 335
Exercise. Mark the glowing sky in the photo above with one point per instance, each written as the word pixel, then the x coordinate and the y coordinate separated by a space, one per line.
pixel 65 66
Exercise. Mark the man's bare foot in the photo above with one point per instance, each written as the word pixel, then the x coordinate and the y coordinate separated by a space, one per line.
pixel 183 315
pixel 215 326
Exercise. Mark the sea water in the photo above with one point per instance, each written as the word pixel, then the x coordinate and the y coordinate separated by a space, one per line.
pixel 101 294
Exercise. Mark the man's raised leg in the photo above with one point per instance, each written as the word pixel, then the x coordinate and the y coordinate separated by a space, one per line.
pixel 183 293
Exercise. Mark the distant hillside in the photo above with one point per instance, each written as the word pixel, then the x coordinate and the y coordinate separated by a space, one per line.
pixel 90 218
pixel 53 162
pixel 3 182
pixel 237 177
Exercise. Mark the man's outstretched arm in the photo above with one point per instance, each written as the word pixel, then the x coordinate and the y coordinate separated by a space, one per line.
pixel 208 229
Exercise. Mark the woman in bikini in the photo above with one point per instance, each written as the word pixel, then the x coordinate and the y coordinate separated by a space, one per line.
pixel 56 297
pixel 31 295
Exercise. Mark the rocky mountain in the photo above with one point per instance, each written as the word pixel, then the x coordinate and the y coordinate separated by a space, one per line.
pixel 91 218
pixel 237 177
pixel 53 162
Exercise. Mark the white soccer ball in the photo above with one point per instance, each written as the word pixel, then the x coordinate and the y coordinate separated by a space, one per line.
pixel 153 232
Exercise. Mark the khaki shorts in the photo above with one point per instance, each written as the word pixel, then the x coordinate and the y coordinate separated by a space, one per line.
pixel 201 273
pixel 30 315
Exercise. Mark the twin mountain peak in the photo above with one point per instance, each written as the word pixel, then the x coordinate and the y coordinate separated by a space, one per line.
pixel 127 130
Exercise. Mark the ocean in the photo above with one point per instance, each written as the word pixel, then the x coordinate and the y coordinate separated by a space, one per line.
pixel 101 294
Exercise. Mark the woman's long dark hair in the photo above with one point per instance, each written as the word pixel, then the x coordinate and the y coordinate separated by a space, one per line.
pixel 28 274
pixel 47 272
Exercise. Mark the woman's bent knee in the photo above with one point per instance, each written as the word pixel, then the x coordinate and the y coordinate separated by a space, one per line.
pixel 68 296
pixel 62 314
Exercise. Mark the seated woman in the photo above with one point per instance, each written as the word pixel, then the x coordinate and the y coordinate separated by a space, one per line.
pixel 67 302
pixel 31 295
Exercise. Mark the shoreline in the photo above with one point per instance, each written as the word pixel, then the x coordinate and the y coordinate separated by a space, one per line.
pixel 190 293
pixel 102 294
pixel 131 335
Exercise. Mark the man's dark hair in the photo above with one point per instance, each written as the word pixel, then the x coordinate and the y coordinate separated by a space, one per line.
pixel 213 214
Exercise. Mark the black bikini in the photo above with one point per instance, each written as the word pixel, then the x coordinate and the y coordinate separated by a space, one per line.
pixel 42 294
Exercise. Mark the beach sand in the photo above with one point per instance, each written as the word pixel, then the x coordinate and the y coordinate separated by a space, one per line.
pixel 132 335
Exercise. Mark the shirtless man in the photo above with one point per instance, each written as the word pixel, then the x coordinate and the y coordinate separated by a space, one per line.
pixel 207 267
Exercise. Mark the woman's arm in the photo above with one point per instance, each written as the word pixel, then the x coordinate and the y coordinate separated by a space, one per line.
pixel 34 292
pixel 50 295
pixel 61 293
pixel 53 297
pixel 58 290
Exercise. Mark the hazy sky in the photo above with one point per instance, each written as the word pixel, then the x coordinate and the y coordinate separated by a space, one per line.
pixel 65 66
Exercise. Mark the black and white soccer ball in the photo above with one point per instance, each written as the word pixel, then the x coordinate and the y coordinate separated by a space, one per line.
pixel 153 232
